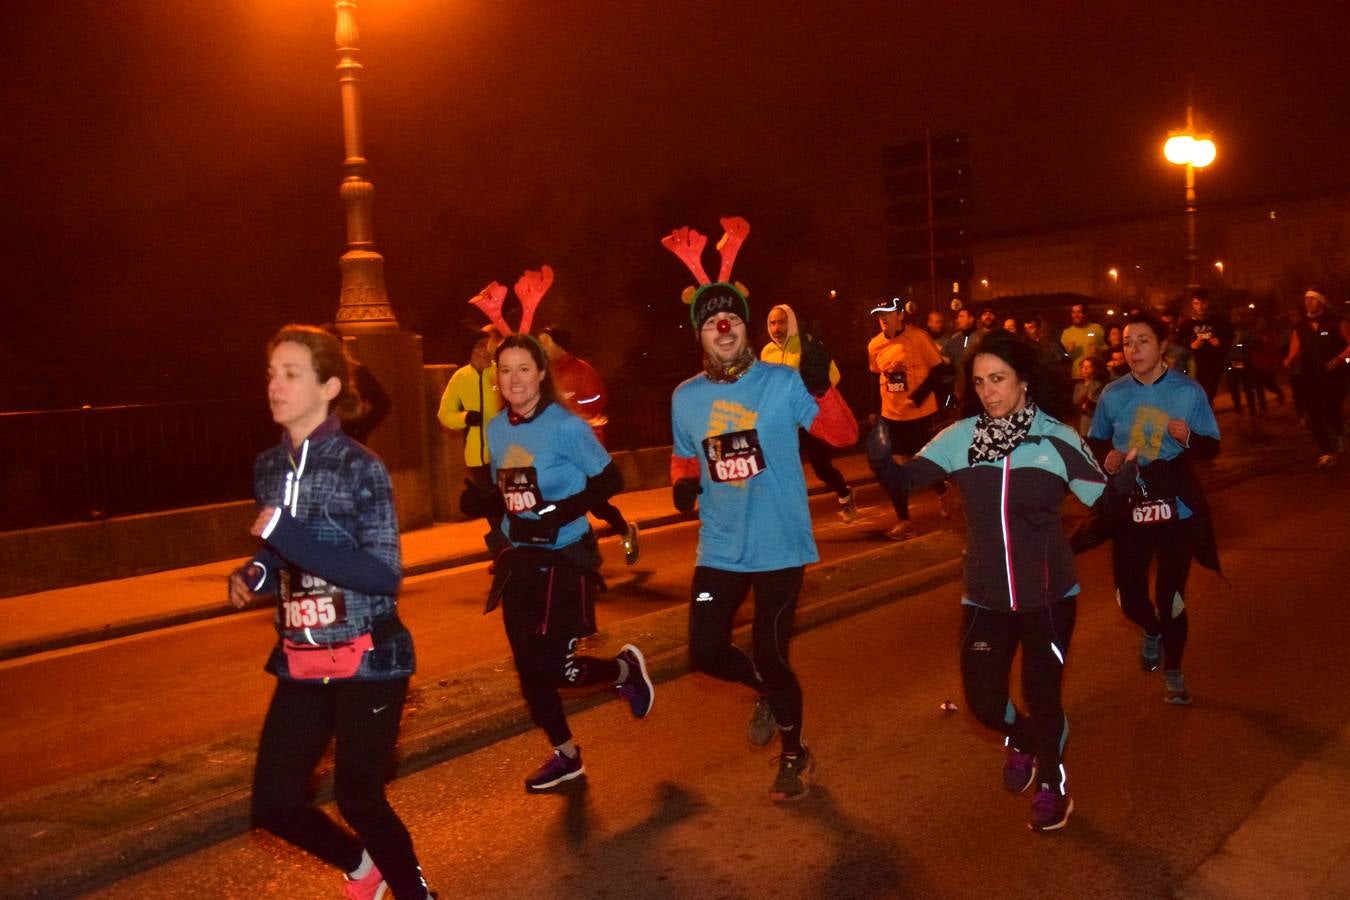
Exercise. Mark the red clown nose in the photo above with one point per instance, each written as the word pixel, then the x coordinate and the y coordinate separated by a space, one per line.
pixel 723 326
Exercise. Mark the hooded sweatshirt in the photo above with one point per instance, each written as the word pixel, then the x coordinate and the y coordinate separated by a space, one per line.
pixel 789 352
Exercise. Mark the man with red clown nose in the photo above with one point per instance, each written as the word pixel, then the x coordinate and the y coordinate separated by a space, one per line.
pixel 735 456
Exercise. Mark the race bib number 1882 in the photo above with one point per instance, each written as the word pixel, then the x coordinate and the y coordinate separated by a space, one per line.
pixel 735 456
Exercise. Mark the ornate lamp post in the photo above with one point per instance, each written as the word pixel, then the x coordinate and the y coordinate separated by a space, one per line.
pixel 363 305
pixel 1194 151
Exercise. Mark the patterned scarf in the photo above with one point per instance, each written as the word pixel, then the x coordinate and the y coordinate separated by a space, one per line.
pixel 996 438
pixel 726 374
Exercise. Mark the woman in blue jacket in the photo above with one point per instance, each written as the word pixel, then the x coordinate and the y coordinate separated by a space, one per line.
pixel 1013 461
pixel 329 551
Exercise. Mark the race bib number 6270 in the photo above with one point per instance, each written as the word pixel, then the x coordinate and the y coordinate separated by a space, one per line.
pixel 735 456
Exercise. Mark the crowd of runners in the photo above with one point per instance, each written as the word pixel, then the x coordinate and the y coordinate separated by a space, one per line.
pixel 1009 418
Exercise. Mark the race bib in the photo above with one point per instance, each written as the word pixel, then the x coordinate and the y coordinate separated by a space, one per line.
pixel 307 601
pixel 1153 512
pixel 520 489
pixel 896 382
pixel 735 456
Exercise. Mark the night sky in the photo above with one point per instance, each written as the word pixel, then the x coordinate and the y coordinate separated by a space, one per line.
pixel 171 167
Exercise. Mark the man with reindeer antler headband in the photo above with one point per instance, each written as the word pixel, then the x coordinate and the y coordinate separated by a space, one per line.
pixel 735 447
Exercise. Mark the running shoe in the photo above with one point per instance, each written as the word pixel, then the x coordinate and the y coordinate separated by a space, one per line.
pixel 902 531
pixel 631 549
pixel 371 887
pixel 763 725
pixel 1176 688
pixel 848 508
pixel 1019 770
pixel 1150 654
pixel 555 770
pixel 1326 461
pixel 637 687
pixel 1050 810
pixel 792 782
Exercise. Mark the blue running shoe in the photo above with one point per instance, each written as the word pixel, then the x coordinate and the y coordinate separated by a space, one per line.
pixel 637 687
pixel 555 770
pixel 1050 810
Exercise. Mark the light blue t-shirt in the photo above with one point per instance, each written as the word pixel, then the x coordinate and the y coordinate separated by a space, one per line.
pixel 753 515
pixel 545 459
pixel 1134 415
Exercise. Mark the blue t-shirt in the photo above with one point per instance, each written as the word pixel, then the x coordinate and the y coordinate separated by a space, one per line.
pixel 753 515
pixel 545 459
pixel 1134 415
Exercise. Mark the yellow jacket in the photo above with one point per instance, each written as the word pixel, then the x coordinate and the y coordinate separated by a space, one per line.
pixel 789 353
pixel 468 390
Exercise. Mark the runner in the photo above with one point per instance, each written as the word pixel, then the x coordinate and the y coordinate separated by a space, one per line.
pixel 549 470
pixel 735 445
pixel 1165 417
pixel 1013 461
pixel 330 552
pixel 785 348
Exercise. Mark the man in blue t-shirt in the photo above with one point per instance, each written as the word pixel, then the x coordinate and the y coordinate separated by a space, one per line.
pixel 736 455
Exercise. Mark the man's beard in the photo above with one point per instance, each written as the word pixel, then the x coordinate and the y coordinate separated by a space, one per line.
pixel 725 373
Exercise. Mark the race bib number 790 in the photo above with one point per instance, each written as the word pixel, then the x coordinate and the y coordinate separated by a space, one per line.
pixel 520 488
pixel 735 456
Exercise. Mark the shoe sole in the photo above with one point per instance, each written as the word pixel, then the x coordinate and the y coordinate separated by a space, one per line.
pixel 1058 825
pixel 899 538
pixel 540 788
pixel 1178 701
pixel 642 670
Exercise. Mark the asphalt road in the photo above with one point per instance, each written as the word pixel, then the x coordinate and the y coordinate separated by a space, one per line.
pixel 96 706
pixel 908 801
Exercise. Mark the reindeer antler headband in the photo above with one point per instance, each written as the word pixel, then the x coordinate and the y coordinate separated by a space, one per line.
pixel 709 297
pixel 530 288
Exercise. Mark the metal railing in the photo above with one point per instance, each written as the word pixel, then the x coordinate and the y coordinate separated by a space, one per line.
pixel 75 465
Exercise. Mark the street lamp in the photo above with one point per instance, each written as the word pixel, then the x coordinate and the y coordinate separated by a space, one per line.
pixel 1194 151
pixel 363 305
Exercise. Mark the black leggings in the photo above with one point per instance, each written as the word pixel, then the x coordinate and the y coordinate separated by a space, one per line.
pixel 1132 552
pixel 716 595
pixel 989 640
pixel 363 718
pixel 547 609
pixel 907 439
pixel 820 455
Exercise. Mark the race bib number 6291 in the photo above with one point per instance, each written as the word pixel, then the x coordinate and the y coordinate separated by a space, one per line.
pixel 735 456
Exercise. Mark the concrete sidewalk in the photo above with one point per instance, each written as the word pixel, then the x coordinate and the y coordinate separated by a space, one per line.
pixel 67 617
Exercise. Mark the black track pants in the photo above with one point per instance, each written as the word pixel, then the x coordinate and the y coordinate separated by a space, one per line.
pixel 1133 551
pixel 989 641
pixel 363 718
pixel 716 595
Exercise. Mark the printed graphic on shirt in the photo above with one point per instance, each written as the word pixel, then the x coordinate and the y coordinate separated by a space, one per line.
pixel 734 456
pixel 1148 430
pixel 520 488
pixel 308 601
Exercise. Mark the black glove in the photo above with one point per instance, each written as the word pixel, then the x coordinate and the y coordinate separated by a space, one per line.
pixel 473 418
pixel 815 365
pixel 1123 481
pixel 474 502
pixel 686 492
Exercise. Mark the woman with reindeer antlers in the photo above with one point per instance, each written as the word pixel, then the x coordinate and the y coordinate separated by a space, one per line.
pixel 735 445
pixel 549 470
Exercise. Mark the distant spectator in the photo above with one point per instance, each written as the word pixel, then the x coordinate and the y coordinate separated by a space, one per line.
pixel 1082 338
pixel 1319 349
pixel 937 326
pixel 469 400
pixel 1092 377
pixel 1010 325
pixel 987 319
pixel 1209 336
